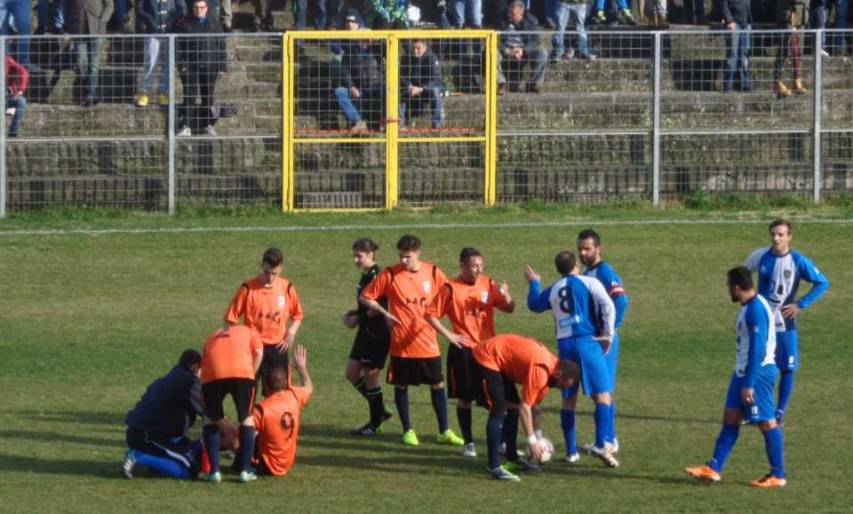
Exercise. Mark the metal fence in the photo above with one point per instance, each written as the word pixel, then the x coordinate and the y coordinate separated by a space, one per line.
pixel 618 115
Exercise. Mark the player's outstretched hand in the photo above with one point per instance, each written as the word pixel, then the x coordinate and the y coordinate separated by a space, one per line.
pixel 531 275
pixel 286 343
pixel 535 451
pixel 300 357
pixel 790 311
pixel 503 289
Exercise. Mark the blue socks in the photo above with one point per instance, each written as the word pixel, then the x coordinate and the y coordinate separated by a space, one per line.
pixel 401 400
pixel 603 418
pixel 247 448
pixel 210 434
pixel 162 465
pixel 567 422
pixel 439 405
pixel 774 445
pixel 786 388
pixel 725 442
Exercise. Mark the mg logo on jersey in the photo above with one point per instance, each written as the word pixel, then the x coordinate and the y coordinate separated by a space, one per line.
pixel 281 302
pixel 427 286
pixel 484 297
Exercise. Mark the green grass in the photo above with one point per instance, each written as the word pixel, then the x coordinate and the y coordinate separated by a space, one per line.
pixel 88 320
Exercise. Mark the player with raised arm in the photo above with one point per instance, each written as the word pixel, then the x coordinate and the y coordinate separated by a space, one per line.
pixel 780 270
pixel 469 302
pixel 504 361
pixel 589 252
pixel 584 316
pixel 410 287
pixel 372 339
pixel 750 394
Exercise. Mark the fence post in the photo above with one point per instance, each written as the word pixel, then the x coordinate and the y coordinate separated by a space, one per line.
pixel 491 85
pixel 818 101
pixel 3 174
pixel 170 124
pixel 392 124
pixel 656 94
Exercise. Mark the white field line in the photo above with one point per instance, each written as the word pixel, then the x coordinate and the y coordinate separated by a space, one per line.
pixel 411 226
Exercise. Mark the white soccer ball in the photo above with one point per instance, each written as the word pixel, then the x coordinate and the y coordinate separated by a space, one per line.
pixel 547 450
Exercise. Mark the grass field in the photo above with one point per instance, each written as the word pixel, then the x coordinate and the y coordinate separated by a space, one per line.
pixel 89 319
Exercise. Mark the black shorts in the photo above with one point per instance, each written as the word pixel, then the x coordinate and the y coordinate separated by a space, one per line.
pixel 242 391
pixel 370 349
pixel 463 374
pixel 496 391
pixel 181 450
pixel 274 358
pixel 414 371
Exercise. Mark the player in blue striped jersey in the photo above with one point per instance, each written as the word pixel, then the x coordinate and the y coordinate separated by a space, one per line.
pixel 589 252
pixel 750 394
pixel 780 270
pixel 584 316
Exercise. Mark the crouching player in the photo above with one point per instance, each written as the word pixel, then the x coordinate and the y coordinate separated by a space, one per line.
pixel 504 361
pixel 277 418
pixel 230 361
pixel 157 426
pixel 750 393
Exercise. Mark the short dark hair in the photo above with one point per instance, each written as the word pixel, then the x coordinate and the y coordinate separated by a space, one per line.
pixel 276 379
pixel 569 368
pixel 189 358
pixel 365 244
pixel 590 234
pixel 740 277
pixel 409 243
pixel 565 262
pixel 781 222
pixel 468 252
pixel 272 257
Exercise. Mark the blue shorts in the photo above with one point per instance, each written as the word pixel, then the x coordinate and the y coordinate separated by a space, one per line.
pixel 787 350
pixel 765 403
pixel 586 352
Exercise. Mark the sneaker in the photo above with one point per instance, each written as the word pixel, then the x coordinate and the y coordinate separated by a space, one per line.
pixel 769 481
pixel 612 447
pixel 824 53
pixel 359 125
pixel 247 476
pixel 626 18
pixel 588 57
pixel 209 131
pixel 410 438
pixel 572 458
pixel 142 100
pixel 184 131
pixel 600 17
pixel 603 455
pixel 163 99
pixel 501 473
pixel 469 451
pixel 705 473
pixel 129 464
pixel 449 438
pixel 214 478
pixel 367 430
pixel 522 466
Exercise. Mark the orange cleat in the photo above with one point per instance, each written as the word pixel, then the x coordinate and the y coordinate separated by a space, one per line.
pixel 769 482
pixel 704 473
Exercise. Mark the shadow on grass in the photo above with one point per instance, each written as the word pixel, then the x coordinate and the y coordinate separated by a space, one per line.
pixel 615 474
pixel 59 438
pixel 83 417
pixel 336 438
pixel 47 466
pixel 640 417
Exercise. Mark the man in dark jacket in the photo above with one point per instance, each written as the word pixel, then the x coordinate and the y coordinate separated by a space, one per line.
pixel 157 426
pixel 360 80
pixel 201 58
pixel 521 46
pixel 88 17
pixel 156 17
pixel 420 81
pixel 737 17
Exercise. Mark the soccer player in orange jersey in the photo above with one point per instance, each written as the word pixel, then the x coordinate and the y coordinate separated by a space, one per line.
pixel 266 303
pixel 277 418
pixel 469 301
pixel 504 361
pixel 230 360
pixel 410 287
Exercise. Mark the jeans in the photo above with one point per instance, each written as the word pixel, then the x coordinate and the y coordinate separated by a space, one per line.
pixel 841 10
pixel 20 105
pixel 22 14
pixel 319 14
pixel 737 59
pixel 370 100
pixel 564 13
pixel 88 52
pixel 196 111
pixel 156 50
pixel 470 11
pixel 46 22
pixel 120 13
pixel 537 60
pixel 431 96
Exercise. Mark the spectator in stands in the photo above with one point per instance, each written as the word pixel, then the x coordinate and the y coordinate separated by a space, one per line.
pixel 360 79
pixel 319 14
pixel 49 17
pixel 200 61
pixel 790 15
pixel 263 19
pixel 156 17
pixel 20 14
pixel 625 16
pixel 737 18
pixel 388 14
pixel 695 10
pixel 226 14
pixel 420 81
pixel 561 13
pixel 467 13
pixel 17 80
pixel 521 46
pixel 659 8
pixel 119 18
pixel 88 17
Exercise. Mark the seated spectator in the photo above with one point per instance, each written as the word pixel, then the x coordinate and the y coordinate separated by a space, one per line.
pixel 737 17
pixel 50 18
pixel 388 14
pixel 360 90
pixel 156 17
pixel 420 81
pixel 17 80
pixel 277 418
pixel 562 12
pixel 520 46
pixel 624 17
pixel 86 17
pixel 200 61
pixel 789 15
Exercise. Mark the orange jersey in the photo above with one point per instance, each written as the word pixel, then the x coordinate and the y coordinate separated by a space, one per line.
pixel 266 309
pixel 277 423
pixel 524 361
pixel 409 293
pixel 229 353
pixel 470 307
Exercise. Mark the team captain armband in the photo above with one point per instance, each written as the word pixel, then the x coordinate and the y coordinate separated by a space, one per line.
pixel 617 290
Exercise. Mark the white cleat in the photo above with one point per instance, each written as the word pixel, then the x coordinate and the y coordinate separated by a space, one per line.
pixel 572 459
pixel 603 455
pixel 468 451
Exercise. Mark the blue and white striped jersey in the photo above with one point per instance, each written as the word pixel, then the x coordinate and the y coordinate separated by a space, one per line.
pixel 612 283
pixel 580 305
pixel 756 339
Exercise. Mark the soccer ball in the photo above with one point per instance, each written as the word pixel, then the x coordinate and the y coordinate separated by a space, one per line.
pixel 547 450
